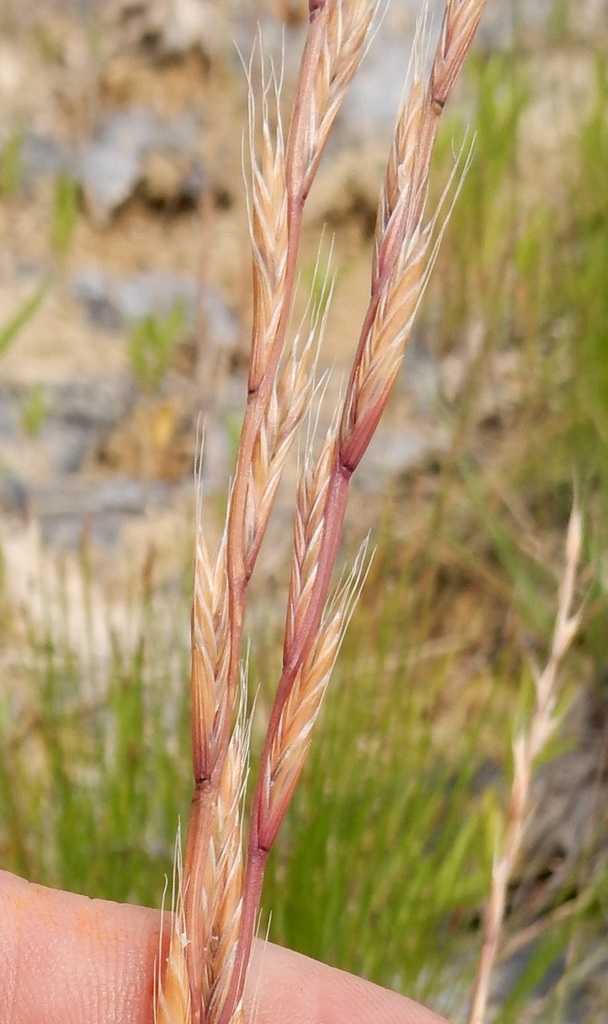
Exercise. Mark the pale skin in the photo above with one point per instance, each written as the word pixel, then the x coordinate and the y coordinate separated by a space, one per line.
pixel 66 959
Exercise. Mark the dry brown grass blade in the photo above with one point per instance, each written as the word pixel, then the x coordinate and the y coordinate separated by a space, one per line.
pixel 527 747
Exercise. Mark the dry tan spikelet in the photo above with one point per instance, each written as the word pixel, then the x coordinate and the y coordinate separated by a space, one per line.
pixel 172 988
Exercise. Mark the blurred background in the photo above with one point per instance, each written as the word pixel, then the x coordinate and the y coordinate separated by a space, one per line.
pixel 124 324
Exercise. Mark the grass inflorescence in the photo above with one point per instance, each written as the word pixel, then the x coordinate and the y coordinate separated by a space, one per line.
pixel 222 891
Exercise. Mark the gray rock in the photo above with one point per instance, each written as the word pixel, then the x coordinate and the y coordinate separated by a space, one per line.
pixel 9 419
pixel 66 445
pixel 170 28
pixel 153 293
pixel 97 510
pixel 94 290
pixel 133 148
pixel 14 495
pixel 97 401
pixel 133 130
pixel 392 453
pixel 108 177
pixel 420 374
pixel 79 413
pixel 125 495
pixel 47 157
pixel 114 303
pixel 220 324
pixel 112 166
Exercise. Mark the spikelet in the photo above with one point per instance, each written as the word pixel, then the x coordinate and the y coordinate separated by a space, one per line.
pixel 223 892
pixel 172 988
pixel 284 760
pixel 267 212
pixel 333 51
pixel 309 523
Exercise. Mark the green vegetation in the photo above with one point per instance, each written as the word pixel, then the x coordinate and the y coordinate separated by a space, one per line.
pixel 66 205
pixel 152 344
pixel 11 330
pixel 34 410
pixel 96 745
pixel 11 167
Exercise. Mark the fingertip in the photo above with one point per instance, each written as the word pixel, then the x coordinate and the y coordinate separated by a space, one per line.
pixel 283 985
pixel 67 959
pixel 72 959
